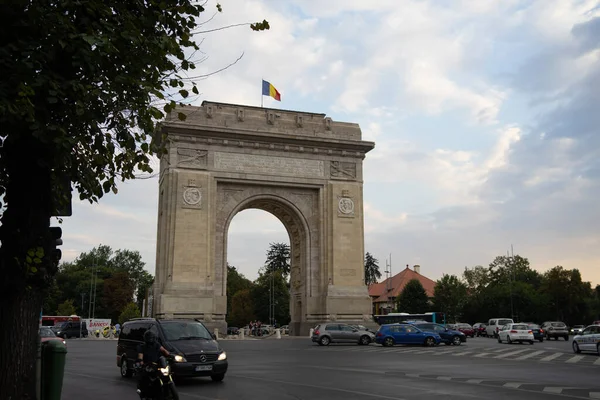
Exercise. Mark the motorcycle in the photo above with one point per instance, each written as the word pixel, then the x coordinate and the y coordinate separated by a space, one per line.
pixel 156 382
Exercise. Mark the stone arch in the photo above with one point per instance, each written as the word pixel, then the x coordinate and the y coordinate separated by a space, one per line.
pixel 295 211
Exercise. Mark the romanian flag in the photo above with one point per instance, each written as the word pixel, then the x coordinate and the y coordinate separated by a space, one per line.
pixel 269 90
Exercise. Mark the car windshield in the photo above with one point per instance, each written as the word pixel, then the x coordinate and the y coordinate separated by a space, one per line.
pixel 504 322
pixel 181 330
pixel 46 332
pixel 558 324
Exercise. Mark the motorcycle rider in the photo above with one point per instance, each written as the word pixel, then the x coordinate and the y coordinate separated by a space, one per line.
pixel 148 352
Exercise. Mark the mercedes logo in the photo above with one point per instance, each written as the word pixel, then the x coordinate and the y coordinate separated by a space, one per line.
pixel 203 358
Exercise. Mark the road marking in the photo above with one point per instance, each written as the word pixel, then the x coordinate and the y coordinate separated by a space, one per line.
pixel 514 385
pixel 463 353
pixel 575 359
pixel 597 362
pixel 552 357
pixel 550 389
pixel 482 354
pixel 526 356
pixel 439 353
pixel 511 353
pixel 476 381
pixel 379 396
pixel 594 395
pixel 444 378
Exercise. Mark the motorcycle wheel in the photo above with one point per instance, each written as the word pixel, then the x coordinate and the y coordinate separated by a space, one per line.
pixel 171 392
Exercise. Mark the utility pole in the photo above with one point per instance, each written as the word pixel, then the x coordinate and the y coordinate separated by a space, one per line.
pixel 510 267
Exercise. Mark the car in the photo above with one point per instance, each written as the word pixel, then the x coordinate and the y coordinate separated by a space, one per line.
pixel 399 333
pixel 479 329
pixel 333 332
pixel 494 325
pixel 71 329
pixel 576 329
pixel 196 350
pixel 515 333
pixel 448 336
pixel 588 340
pixel 538 332
pixel 47 334
pixel 555 329
pixel 467 329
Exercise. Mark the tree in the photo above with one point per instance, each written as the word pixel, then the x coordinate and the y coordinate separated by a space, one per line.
pixel 66 308
pixel 242 308
pixel 278 258
pixel 372 273
pixel 118 292
pixel 79 103
pixel 130 311
pixel 449 297
pixel 236 282
pixel 413 299
pixel 261 291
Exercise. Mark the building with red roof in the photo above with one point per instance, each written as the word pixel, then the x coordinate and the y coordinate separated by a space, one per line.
pixel 384 294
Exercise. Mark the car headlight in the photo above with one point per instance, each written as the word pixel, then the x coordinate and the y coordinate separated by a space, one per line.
pixel 165 370
pixel 179 358
pixel 222 356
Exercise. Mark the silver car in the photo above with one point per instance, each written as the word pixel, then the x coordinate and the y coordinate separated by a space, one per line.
pixel 555 329
pixel 340 333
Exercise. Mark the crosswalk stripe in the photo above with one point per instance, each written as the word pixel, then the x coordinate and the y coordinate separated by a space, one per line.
pixel 530 355
pixel 482 354
pixel 514 385
pixel 552 357
pixel 575 359
pixel 462 353
pixel 510 353
pixel 594 395
pixel 597 362
pixel 439 353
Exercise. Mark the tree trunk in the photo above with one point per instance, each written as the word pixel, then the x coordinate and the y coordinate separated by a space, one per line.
pixel 25 226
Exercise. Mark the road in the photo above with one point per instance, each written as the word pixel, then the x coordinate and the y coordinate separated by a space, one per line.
pixel 295 368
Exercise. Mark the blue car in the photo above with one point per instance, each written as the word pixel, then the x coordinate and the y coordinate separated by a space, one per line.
pixel 391 334
pixel 448 336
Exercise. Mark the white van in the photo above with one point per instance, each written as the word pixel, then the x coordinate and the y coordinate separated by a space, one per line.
pixel 495 324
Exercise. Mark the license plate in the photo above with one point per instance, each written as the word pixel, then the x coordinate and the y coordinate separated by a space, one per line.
pixel 203 367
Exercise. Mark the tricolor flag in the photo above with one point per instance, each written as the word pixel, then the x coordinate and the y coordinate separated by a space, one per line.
pixel 269 90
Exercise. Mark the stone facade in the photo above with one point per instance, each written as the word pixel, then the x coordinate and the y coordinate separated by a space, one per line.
pixel 303 168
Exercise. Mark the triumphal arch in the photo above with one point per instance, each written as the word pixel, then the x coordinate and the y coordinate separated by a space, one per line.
pixel 304 168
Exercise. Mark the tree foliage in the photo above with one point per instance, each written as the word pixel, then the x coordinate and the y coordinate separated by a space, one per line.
pixel 278 258
pixel 372 273
pixel 130 311
pixel 66 308
pixel 242 308
pixel 413 298
pixel 449 297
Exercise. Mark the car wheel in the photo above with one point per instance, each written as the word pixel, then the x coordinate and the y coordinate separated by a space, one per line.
pixel 456 341
pixel 499 340
pixel 576 348
pixel 126 372
pixel 508 340
pixel 429 342
pixel 388 342
pixel 218 377
pixel 531 342
pixel 541 340
pixel 324 341
pixel 598 349
pixel 364 340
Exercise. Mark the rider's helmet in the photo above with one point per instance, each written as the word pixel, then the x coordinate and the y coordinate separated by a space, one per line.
pixel 149 337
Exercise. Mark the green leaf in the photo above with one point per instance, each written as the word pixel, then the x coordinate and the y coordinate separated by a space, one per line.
pixel 39 252
pixel 184 93
pixel 195 90
pixel 181 116
pixel 33 269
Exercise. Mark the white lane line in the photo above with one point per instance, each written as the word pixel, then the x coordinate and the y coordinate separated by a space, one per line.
pixel 514 385
pixel 476 381
pixel 594 395
pixel 482 354
pixel 511 353
pixel 526 356
pixel 597 362
pixel 575 359
pixel 550 389
pixel 552 357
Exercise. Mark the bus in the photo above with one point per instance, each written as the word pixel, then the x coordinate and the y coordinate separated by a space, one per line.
pixel 53 320
pixel 393 318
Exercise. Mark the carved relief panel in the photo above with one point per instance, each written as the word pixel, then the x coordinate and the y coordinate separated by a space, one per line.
pixel 192 196
pixel 191 158
pixel 346 205
pixel 342 170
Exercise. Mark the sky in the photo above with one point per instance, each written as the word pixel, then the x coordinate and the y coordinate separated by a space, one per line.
pixel 485 117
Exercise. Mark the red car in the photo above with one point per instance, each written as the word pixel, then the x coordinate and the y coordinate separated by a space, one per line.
pixel 466 329
pixel 47 334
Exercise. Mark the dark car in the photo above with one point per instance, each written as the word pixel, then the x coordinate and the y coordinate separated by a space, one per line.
pixel 449 336
pixel 196 351
pixel 71 329
pixel 391 334
pixel 479 329
pixel 538 332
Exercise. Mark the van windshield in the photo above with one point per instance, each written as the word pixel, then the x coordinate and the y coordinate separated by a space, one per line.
pixel 181 330
pixel 505 321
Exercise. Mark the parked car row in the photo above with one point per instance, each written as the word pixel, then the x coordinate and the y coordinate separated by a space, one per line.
pixel 425 333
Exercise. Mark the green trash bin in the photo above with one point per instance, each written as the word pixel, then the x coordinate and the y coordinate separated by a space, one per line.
pixel 54 356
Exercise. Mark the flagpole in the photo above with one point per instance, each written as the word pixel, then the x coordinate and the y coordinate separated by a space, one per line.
pixel 261 93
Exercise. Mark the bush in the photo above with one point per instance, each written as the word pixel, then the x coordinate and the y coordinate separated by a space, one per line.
pixel 130 311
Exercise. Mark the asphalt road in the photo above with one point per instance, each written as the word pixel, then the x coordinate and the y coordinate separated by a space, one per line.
pixel 296 368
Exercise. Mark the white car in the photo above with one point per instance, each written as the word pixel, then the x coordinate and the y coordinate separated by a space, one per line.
pixel 515 333
pixel 588 340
